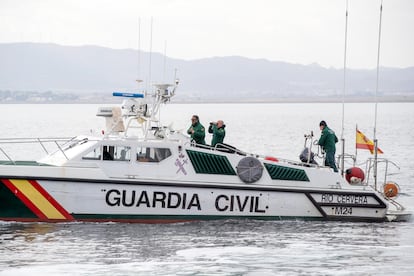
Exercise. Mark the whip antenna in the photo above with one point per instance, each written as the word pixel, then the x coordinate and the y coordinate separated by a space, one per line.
pixel 150 56
pixel 165 60
pixel 376 104
pixel 344 84
pixel 343 94
pixel 139 51
pixel 376 87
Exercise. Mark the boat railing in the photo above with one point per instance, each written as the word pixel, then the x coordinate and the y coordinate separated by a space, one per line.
pixel 369 168
pixel 8 157
pixel 226 148
pixel 397 205
pixel 59 142
pixel 344 157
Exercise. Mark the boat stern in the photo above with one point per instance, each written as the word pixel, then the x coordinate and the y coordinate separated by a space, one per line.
pixel 399 216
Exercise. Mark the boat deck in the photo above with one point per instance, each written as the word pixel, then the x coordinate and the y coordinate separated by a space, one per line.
pixel 22 163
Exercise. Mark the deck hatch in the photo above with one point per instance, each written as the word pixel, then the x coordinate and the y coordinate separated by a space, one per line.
pixel 208 163
pixel 286 173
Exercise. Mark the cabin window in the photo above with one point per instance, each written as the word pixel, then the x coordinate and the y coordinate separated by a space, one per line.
pixel 116 153
pixel 111 153
pixel 122 153
pixel 93 155
pixel 148 154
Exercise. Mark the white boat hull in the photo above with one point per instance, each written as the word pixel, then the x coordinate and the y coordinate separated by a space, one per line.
pixel 132 201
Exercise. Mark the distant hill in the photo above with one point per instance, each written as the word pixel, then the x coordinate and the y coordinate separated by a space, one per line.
pixel 84 70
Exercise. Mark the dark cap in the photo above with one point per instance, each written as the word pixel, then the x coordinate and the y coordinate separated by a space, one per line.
pixel 322 123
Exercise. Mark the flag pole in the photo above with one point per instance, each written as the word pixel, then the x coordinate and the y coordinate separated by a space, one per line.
pixel 343 94
pixel 376 103
pixel 356 149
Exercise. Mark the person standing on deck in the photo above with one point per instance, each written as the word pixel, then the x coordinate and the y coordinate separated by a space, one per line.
pixel 327 142
pixel 218 132
pixel 197 131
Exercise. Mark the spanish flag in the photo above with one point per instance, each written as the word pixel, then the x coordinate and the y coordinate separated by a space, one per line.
pixel 362 142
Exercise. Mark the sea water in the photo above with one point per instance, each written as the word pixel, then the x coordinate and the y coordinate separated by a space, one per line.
pixel 225 247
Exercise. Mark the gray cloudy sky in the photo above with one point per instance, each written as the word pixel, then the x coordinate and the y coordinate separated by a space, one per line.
pixel 297 31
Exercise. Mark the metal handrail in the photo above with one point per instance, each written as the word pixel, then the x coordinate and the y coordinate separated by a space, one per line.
pixel 370 163
pixel 8 157
pixel 41 141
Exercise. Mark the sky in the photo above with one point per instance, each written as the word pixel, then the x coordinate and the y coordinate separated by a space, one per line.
pixel 294 31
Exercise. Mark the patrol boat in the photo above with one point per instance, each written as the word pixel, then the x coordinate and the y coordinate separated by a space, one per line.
pixel 141 171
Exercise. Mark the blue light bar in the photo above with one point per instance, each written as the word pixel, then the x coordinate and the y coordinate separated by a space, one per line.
pixel 128 95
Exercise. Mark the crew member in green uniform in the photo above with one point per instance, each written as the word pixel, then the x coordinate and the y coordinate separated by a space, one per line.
pixel 218 132
pixel 197 131
pixel 327 142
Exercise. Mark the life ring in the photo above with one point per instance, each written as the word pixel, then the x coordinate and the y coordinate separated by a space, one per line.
pixel 249 169
pixel 391 189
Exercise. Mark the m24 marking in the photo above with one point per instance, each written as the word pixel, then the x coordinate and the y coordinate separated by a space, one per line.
pixel 343 211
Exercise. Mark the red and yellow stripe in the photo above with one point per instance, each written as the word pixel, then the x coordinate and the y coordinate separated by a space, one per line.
pixel 37 199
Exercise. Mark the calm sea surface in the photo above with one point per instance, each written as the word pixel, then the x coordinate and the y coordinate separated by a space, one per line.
pixel 226 247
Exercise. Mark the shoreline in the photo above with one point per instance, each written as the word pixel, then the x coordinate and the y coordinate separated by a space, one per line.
pixel 111 100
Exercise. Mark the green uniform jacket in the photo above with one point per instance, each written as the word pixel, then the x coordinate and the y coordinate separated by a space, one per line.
pixel 328 140
pixel 199 133
pixel 218 134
